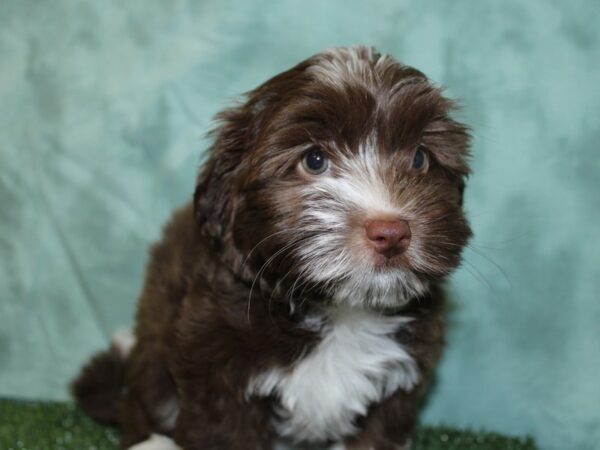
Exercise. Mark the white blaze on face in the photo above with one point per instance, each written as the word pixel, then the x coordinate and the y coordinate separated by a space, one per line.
pixel 360 182
pixel 339 254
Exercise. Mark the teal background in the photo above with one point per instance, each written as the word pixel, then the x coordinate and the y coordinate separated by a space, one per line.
pixel 103 106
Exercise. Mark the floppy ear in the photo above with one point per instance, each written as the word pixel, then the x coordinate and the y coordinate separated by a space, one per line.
pixel 217 184
pixel 219 187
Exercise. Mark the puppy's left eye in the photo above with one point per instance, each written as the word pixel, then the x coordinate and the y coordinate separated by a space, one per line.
pixel 420 159
pixel 315 161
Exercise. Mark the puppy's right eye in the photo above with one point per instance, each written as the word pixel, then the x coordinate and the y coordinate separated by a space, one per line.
pixel 420 161
pixel 315 161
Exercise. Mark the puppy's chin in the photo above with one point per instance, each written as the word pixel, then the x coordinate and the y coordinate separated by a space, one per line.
pixel 377 290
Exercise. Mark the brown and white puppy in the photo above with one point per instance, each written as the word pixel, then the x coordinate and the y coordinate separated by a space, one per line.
pixel 297 300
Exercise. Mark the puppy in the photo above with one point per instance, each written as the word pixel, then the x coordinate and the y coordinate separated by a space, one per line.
pixel 297 299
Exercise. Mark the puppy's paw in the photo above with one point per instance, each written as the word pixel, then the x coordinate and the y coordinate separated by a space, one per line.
pixel 156 442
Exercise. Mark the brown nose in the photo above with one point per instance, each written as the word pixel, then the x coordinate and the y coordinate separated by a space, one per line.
pixel 389 237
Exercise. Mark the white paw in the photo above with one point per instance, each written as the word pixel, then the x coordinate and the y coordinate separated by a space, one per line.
pixel 156 442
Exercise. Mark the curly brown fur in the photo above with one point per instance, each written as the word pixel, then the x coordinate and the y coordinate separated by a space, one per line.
pixel 98 387
pixel 284 304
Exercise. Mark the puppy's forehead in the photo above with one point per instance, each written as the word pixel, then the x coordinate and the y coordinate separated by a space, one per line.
pixel 362 92
pixel 350 98
pixel 344 67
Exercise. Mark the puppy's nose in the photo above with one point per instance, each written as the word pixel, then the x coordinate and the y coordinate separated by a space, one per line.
pixel 389 237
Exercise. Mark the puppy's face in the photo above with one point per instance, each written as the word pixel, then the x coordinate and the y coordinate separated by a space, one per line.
pixel 342 176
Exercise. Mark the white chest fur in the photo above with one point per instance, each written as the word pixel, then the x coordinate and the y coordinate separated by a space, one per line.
pixel 356 363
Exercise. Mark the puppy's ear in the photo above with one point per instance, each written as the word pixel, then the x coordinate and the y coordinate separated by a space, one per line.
pixel 219 181
pixel 219 190
pixel 212 202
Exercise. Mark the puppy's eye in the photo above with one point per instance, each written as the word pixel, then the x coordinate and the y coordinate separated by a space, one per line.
pixel 315 161
pixel 420 159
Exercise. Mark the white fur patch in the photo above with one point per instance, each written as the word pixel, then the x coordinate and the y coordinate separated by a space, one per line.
pixel 338 447
pixel 391 289
pixel 167 414
pixel 156 442
pixel 124 341
pixel 339 66
pixel 357 363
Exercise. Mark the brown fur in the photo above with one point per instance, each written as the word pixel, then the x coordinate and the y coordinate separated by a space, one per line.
pixel 212 314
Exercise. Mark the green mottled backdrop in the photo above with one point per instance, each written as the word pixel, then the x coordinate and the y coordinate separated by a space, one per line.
pixel 103 106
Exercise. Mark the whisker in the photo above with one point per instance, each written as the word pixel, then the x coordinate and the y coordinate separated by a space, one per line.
pixel 261 270
pixel 494 263
pixel 291 295
pixel 260 242
pixel 279 280
pixel 476 273
pixel 269 261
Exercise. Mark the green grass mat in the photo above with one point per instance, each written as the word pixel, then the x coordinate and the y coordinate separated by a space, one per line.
pixel 60 426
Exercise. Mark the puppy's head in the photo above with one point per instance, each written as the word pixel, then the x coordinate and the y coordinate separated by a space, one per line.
pixel 342 176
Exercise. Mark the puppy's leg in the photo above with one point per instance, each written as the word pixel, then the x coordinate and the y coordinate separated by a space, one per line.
pixel 150 402
pixel 222 425
pixel 389 425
